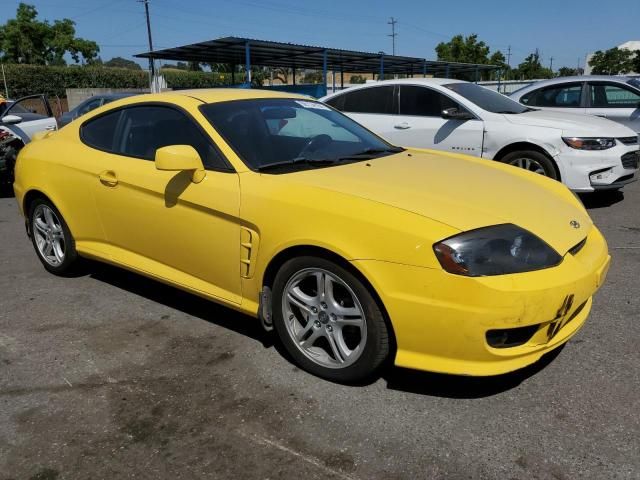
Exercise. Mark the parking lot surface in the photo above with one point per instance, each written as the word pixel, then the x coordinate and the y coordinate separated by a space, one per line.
pixel 111 375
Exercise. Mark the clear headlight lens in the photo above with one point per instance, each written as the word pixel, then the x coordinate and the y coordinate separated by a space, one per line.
pixel 590 143
pixel 496 250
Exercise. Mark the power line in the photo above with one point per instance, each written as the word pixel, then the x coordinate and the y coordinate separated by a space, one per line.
pixel 393 34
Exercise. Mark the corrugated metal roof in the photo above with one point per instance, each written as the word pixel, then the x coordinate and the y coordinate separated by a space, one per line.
pixel 290 55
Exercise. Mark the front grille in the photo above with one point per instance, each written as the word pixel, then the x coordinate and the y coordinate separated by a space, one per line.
pixel 631 159
pixel 628 140
pixel 575 249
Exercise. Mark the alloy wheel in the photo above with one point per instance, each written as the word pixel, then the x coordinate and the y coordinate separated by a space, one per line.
pixel 528 164
pixel 49 236
pixel 324 318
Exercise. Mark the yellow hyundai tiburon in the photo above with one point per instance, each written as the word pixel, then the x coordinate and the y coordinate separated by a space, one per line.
pixel 354 250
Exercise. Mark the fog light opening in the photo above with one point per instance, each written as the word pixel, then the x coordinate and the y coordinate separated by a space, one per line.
pixel 510 337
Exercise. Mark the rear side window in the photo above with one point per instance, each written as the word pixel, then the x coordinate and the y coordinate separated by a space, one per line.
pixel 424 102
pixel 380 100
pixel 100 132
pixel 613 96
pixel 560 96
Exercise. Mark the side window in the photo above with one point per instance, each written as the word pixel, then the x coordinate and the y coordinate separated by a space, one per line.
pixel 560 96
pixel 100 132
pixel 378 100
pixel 87 107
pixel 613 96
pixel 424 102
pixel 337 102
pixel 146 128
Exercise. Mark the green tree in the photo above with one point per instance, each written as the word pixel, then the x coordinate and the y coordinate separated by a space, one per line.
pixel 314 76
pixel 569 72
pixel 532 68
pixel 615 61
pixel 357 79
pixel 120 62
pixel 469 50
pixel 25 39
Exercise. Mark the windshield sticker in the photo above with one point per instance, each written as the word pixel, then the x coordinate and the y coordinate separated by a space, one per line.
pixel 317 106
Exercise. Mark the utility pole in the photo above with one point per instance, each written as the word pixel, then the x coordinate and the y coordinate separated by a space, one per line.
pixel 509 56
pixel 152 69
pixel 393 34
pixel 551 64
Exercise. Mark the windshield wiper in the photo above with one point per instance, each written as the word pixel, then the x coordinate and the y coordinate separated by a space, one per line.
pixel 370 153
pixel 297 160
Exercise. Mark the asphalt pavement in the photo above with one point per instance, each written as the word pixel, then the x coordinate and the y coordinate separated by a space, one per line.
pixel 109 375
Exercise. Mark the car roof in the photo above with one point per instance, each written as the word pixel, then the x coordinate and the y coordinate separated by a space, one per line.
pixel 399 81
pixel 214 95
pixel 575 78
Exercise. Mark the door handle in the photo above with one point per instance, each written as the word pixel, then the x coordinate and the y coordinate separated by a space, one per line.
pixel 51 127
pixel 601 115
pixel 108 178
pixel 402 126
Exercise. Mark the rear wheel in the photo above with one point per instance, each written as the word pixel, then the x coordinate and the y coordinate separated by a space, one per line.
pixel 51 238
pixel 328 321
pixel 532 161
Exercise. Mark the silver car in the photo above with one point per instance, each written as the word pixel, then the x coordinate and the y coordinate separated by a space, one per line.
pixel 615 98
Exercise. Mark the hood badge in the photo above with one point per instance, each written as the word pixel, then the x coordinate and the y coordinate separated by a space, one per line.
pixel 574 224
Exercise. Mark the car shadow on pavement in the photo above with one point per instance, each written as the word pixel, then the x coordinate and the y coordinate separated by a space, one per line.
pixel 462 387
pixel 601 199
pixel 180 300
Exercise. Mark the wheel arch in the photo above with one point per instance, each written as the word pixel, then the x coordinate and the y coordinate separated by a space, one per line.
pixel 288 253
pixel 523 146
pixel 28 199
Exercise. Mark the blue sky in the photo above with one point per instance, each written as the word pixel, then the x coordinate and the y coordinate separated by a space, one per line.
pixel 565 30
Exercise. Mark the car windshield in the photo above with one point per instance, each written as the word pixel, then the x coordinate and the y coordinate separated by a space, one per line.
pixel 284 134
pixel 635 82
pixel 486 99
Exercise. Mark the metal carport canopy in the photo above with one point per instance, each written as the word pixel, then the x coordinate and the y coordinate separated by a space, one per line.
pixel 237 51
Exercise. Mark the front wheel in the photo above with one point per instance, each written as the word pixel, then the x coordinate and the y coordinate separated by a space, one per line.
pixel 51 238
pixel 532 161
pixel 328 321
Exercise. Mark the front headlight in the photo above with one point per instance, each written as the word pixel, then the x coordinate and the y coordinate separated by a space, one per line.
pixel 496 250
pixel 590 143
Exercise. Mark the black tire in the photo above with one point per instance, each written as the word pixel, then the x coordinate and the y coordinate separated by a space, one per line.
pixel 537 159
pixel 376 345
pixel 70 262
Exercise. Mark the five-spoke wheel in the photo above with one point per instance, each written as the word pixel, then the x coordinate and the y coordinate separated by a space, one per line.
pixel 328 320
pixel 51 237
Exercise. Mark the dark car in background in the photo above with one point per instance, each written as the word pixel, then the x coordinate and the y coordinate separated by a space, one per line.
pixel 89 104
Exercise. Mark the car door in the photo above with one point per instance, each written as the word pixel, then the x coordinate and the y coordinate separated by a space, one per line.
pixel 420 123
pixel 34 113
pixel 161 222
pixel 375 107
pixel 564 97
pixel 616 102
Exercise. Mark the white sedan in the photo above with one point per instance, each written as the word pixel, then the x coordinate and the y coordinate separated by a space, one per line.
pixel 611 97
pixel 586 153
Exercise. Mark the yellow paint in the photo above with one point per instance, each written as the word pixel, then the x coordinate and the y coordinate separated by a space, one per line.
pixel 217 236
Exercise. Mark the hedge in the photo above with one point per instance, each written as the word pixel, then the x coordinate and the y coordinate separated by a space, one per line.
pixel 31 79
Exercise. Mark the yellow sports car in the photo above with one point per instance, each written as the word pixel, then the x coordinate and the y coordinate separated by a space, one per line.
pixel 354 250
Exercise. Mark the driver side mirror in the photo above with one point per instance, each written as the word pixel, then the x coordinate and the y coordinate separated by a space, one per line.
pixel 11 119
pixel 455 114
pixel 180 158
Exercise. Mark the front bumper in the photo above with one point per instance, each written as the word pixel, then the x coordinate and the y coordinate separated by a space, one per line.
pixel 441 320
pixel 588 171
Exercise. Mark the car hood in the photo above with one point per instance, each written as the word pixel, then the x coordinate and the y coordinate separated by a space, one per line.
pixel 461 192
pixel 571 123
